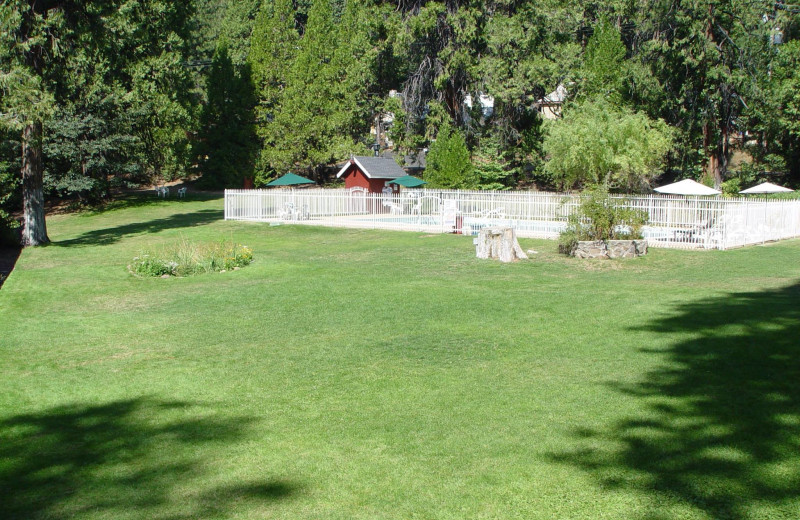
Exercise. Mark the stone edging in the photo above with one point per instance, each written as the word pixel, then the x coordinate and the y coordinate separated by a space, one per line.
pixel 610 249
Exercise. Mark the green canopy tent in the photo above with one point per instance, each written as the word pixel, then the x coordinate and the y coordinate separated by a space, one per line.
pixel 290 179
pixel 408 181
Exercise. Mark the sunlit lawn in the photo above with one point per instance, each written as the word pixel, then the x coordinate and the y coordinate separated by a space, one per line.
pixel 367 374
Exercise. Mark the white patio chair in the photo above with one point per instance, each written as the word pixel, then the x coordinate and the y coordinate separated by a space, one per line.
pixel 494 213
pixel 395 209
pixel 289 213
pixel 181 193
pixel 694 234
pixel 304 213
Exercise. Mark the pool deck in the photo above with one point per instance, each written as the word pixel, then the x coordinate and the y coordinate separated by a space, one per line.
pixel 539 229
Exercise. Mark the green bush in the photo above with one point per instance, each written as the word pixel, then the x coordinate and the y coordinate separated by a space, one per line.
pixel 151 265
pixel 731 187
pixel 188 258
pixel 600 217
pixel 568 240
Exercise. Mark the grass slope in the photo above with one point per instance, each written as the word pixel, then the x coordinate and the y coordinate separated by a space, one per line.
pixel 363 374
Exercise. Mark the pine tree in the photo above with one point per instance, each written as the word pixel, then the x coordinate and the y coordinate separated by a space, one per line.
pixel 59 58
pixel 603 62
pixel 319 110
pixel 29 46
pixel 448 161
pixel 227 140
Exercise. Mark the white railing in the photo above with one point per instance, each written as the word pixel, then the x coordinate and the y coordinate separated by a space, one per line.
pixel 674 221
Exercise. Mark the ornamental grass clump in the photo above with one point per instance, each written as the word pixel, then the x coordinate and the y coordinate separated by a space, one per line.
pixel 188 258
pixel 600 217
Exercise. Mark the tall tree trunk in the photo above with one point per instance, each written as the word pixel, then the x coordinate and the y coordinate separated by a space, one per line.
pixel 711 156
pixel 724 150
pixel 34 229
pixel 712 167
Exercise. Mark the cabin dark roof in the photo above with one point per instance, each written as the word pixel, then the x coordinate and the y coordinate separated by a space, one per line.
pixel 375 167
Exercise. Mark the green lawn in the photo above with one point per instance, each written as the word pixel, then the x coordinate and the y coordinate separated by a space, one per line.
pixel 367 374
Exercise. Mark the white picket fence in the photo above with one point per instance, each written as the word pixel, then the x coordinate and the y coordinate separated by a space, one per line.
pixel 674 221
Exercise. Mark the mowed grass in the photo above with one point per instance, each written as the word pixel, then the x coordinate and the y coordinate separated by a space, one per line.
pixel 351 374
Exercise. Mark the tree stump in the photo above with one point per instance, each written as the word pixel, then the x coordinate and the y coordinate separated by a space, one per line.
pixel 500 243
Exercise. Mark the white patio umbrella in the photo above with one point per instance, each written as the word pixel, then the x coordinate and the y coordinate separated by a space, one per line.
pixel 766 187
pixel 687 187
pixel 694 190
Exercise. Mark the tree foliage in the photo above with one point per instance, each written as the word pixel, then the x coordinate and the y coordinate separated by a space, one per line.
pixel 448 161
pixel 603 62
pixel 96 89
pixel 706 56
pixel 227 144
pixel 313 100
pixel 598 143
pixel 106 93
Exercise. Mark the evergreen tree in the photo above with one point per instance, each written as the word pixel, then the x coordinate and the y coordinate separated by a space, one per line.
pixel 90 141
pixel 108 74
pixel 9 181
pixel 448 161
pixel 492 171
pixel 273 51
pixel 707 56
pixel 29 49
pixel 227 142
pixel 320 109
pixel 774 122
pixel 603 62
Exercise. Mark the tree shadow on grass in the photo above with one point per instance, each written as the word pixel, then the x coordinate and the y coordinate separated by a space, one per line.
pixel 124 459
pixel 114 234
pixel 720 434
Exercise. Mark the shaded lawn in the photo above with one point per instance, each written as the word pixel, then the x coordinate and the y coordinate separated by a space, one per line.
pixel 361 374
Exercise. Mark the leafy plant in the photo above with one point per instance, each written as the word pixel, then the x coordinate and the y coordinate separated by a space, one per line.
pixel 449 164
pixel 188 258
pixel 601 217
pixel 597 143
pixel 731 187
pixel 492 170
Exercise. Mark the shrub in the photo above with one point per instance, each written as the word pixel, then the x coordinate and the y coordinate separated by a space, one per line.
pixel 568 240
pixel 598 143
pixel 731 187
pixel 151 265
pixel 188 258
pixel 600 217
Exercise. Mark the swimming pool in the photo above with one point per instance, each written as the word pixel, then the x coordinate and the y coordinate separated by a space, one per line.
pixel 472 225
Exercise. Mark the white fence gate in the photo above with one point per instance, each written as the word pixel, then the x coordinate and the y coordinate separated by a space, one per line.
pixel 674 221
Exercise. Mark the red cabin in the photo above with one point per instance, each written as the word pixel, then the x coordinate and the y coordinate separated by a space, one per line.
pixel 371 173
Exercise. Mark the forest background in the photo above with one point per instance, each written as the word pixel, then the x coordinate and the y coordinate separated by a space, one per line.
pixel 97 96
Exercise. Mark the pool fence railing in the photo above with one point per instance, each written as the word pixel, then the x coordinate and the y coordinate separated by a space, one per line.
pixel 673 221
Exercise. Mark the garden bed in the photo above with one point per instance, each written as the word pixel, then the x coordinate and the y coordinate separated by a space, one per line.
pixel 610 248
